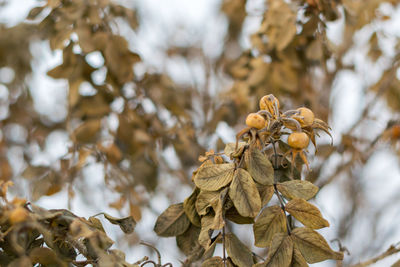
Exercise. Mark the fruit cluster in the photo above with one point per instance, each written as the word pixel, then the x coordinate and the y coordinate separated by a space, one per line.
pixel 269 124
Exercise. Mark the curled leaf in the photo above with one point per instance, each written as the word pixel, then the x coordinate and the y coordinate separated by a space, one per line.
pixel 126 224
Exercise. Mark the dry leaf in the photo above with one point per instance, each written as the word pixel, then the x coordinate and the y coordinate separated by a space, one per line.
pixel 271 221
pixel 280 252
pixel 259 167
pixel 172 222
pixel 244 194
pixel 126 224
pixel 190 208
pixel 306 213
pixel 237 251
pixel 313 246
pixel 213 177
pixel 297 189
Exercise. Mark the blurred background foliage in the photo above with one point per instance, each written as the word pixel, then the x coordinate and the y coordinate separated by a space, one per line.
pixel 144 112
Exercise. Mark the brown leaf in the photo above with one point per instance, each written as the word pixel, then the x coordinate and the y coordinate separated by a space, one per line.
pixel 46 257
pixel 244 194
pixel 279 24
pixel 230 148
pixel 23 261
pixel 188 242
pixel 205 200
pixel 298 259
pixel 190 208
pixel 87 131
pixel 233 215
pixel 259 167
pixel 266 193
pixel 280 252
pixel 272 220
pixel 206 228
pixel 306 213
pixel 35 12
pixel 172 222
pixel 126 224
pixel 219 221
pixel 213 177
pixel 297 189
pixel 313 246
pixel 215 261
pixel 239 253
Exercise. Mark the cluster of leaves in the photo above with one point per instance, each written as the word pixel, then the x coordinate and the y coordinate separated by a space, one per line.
pixel 32 235
pixel 238 188
pixel 290 54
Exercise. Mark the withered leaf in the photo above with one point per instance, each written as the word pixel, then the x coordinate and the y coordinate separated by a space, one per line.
pixel 126 224
pixel 244 194
pixel 206 199
pixel 233 215
pixel 190 208
pixel 219 221
pixel 239 253
pixel 297 189
pixel 215 261
pixel 35 12
pixel 213 177
pixel 298 259
pixel 46 257
pixel 172 222
pixel 272 220
pixel 206 229
pixel 93 221
pixel 87 131
pixel 313 246
pixel 230 148
pixel 306 213
pixel 266 193
pixel 280 252
pixel 259 167
pixel 188 242
pixel 23 261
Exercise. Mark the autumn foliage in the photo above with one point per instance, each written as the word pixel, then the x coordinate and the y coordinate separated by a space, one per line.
pixel 280 116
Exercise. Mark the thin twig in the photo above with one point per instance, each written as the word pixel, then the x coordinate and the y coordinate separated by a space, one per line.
pixel 156 250
pixel 393 249
pixel 223 246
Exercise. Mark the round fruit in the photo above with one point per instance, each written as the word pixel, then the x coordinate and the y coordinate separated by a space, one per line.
pixel 308 116
pixel 267 103
pixel 298 140
pixel 255 120
pixel 18 215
